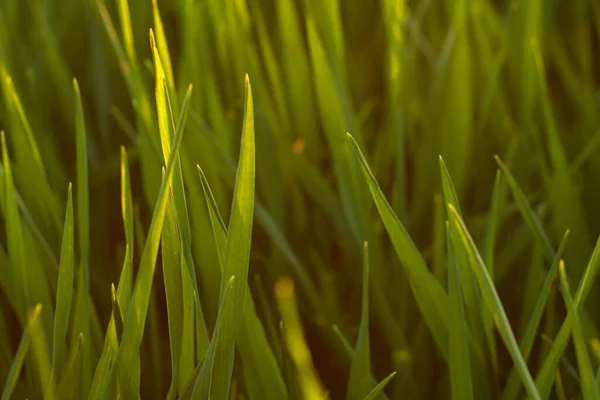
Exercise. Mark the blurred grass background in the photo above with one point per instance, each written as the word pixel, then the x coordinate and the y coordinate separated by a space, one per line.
pixel 410 80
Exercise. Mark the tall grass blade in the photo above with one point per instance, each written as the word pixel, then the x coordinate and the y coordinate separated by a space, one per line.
pixel 219 360
pixel 431 298
pixel 135 317
pixel 360 382
pixel 492 301
pixel 64 295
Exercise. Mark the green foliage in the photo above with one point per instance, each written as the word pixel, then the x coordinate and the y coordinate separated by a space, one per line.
pixel 213 243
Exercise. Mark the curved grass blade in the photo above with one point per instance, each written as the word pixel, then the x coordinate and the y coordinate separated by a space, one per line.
pixel 379 388
pixel 360 382
pixel 492 300
pixel 588 385
pixel 64 294
pixel 431 298
pixel 511 390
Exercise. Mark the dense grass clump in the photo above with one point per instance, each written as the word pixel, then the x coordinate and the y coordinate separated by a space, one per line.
pixel 399 201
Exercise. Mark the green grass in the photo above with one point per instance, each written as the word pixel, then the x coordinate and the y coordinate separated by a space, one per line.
pixel 360 200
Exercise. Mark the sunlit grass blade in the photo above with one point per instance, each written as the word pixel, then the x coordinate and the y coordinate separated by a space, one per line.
pixel 588 385
pixel 359 382
pixel 64 293
pixel 490 296
pixel 431 298
pixel 547 372
pixel 460 368
pixel 19 358
pixel 294 338
pixel 377 390
pixel 128 354
pixel 236 263
pixel 527 341
pixel 161 43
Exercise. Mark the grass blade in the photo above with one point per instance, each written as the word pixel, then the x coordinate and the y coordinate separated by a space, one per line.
pixel 431 298
pixel 492 300
pixel 219 362
pixel 128 354
pixel 588 385
pixel 359 382
pixel 379 388
pixel 64 293
pixel 69 384
pixel 512 385
pixel 83 313
pixel 460 368
pixel 17 363
pixel 547 373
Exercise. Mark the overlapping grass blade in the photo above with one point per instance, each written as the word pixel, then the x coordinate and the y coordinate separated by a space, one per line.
pixel 171 261
pixel 18 360
pixel 360 382
pixel 588 384
pixel 128 353
pixel 460 368
pixel 527 341
pixel 431 298
pixel 64 295
pixel 492 300
pixel 69 385
pixel 215 376
pixel 547 372
pixel 473 313
pixel 183 283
